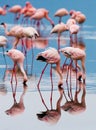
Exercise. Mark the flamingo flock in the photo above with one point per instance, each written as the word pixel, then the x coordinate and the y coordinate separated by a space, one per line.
pixel 29 36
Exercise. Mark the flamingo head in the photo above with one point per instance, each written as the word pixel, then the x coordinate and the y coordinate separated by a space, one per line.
pixel 7 6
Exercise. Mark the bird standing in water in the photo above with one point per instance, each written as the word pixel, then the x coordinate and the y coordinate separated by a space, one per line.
pixel 50 56
pixel 18 58
pixel 75 54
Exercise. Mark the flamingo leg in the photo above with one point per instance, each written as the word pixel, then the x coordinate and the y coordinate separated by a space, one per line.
pixel 71 80
pixel 64 64
pixel 38 87
pixel 14 72
pixel 51 87
pixel 59 41
pixel 32 59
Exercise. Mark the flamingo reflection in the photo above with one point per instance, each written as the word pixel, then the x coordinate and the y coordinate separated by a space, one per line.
pixel 52 116
pixel 76 105
pixel 17 108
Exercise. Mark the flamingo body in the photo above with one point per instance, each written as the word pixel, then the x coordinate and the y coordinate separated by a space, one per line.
pixel 74 53
pixel 50 56
pixel 15 9
pixel 59 28
pixel 61 12
pixel 18 58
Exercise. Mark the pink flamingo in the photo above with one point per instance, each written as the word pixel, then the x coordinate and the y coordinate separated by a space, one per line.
pixel 16 9
pixel 59 28
pixel 78 16
pixel 60 13
pixel 26 10
pixel 50 56
pixel 3 10
pixel 40 14
pixel 74 29
pixel 18 58
pixel 75 54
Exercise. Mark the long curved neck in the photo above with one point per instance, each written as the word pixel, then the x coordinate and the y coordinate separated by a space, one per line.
pixel 23 71
pixel 6 30
pixel 59 71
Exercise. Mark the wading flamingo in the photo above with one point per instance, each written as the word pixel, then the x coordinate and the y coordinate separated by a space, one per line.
pixel 52 116
pixel 40 14
pixel 59 28
pixel 74 29
pixel 3 10
pixel 78 16
pixel 16 9
pixel 18 58
pixel 50 56
pixel 60 13
pixel 75 54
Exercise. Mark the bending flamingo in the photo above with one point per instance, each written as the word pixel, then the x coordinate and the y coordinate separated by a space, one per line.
pixel 50 56
pixel 18 58
pixel 75 54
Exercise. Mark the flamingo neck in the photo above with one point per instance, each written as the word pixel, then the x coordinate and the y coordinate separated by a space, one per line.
pixel 59 102
pixel 23 72
pixel 6 29
pixel 59 71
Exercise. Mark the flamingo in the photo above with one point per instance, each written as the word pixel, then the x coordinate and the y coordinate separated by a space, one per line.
pixel 26 11
pixel 70 22
pixel 3 10
pixel 52 116
pixel 50 56
pixel 75 54
pixel 59 28
pixel 18 58
pixel 3 41
pixel 78 16
pixel 60 13
pixel 40 14
pixel 74 29
pixel 19 32
pixel 16 9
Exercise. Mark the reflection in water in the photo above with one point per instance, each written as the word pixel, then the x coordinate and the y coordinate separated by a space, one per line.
pixel 3 89
pixel 41 43
pixel 74 106
pixel 52 116
pixel 17 108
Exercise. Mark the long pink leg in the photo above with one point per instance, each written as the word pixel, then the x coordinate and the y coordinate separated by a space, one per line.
pixel 51 86
pixel 14 73
pixel 58 42
pixel 70 80
pixel 14 91
pixel 39 86
pixel 32 59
